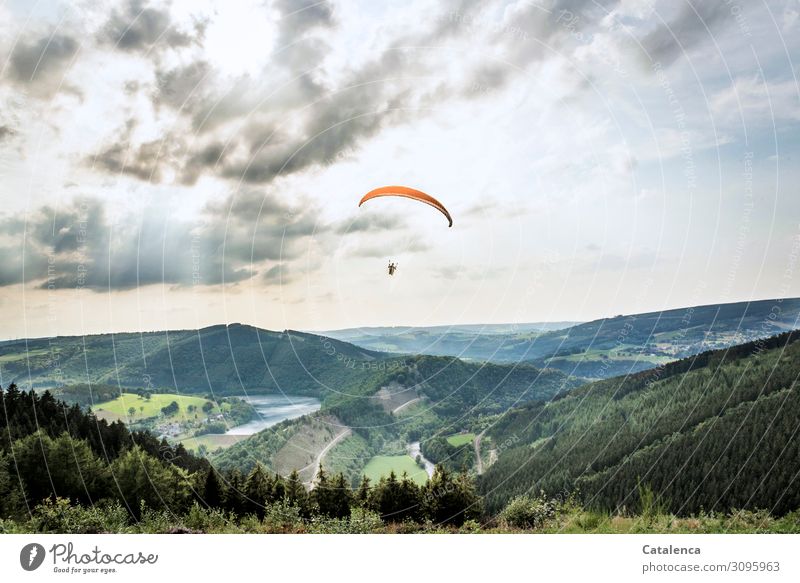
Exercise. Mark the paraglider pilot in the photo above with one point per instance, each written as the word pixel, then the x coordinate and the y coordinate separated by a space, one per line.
pixel 392 267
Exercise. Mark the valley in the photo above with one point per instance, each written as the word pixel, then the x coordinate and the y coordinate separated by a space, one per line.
pixel 357 411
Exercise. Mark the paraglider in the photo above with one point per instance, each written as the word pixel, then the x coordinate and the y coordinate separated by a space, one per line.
pixel 406 192
pixel 392 267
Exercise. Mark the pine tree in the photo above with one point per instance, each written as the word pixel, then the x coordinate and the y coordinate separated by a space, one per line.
pixel 212 491
pixel 296 493
pixel 257 489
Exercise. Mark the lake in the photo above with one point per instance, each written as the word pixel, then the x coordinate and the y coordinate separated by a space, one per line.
pixel 272 409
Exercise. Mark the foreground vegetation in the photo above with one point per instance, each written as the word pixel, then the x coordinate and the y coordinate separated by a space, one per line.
pixel 525 516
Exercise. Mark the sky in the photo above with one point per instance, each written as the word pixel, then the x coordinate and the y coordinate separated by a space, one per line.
pixel 188 163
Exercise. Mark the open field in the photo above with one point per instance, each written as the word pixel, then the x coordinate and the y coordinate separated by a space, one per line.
pixel 118 408
pixel 382 465
pixel 212 441
pixel 460 439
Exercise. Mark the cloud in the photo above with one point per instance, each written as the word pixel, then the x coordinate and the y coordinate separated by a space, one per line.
pixel 40 64
pixel 79 246
pixel 301 16
pixel 694 24
pixel 370 222
pixel 394 246
pixel 145 161
pixel 277 275
pixel 138 27
pixel 754 100
pixel 6 133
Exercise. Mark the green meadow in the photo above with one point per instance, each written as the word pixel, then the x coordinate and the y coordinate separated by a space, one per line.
pixel 382 465
pixel 151 407
pixel 460 439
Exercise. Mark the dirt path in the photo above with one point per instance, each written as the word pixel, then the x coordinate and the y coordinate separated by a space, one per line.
pixel 406 404
pixel 346 431
pixel 478 460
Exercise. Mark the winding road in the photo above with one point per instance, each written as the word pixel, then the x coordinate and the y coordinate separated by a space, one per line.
pixel 406 404
pixel 339 437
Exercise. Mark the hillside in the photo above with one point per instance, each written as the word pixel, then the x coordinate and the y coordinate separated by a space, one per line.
pixel 601 348
pixel 715 431
pixel 469 341
pixel 225 359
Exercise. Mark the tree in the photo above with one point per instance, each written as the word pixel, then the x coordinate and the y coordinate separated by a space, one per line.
pixel 296 493
pixel 257 489
pixel 332 497
pixel 170 409
pixel 208 406
pixel 342 497
pixel 131 411
pixel 212 491
pixel 142 478
pixel 362 495
pixel 62 466
pixel 450 500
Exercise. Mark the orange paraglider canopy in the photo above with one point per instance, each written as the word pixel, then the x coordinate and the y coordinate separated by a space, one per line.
pixel 406 192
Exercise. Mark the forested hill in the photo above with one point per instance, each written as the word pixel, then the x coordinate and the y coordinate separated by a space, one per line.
pixel 598 349
pixel 224 359
pixel 714 432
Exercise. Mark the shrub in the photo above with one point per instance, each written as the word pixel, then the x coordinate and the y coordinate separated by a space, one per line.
pixel 59 516
pixel 527 512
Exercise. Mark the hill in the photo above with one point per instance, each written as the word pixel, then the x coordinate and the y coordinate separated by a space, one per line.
pixel 713 432
pixel 224 359
pixel 471 341
pixel 598 349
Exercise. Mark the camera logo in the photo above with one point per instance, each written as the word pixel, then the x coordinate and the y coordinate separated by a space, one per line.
pixel 31 556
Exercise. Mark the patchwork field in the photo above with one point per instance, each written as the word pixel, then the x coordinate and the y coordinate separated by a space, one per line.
pixel 382 465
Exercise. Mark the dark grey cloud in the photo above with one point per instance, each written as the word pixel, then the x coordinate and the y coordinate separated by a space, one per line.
pixel 6 132
pixel 80 246
pixel 330 121
pixel 137 26
pixel 207 158
pixel 694 23
pixel 144 161
pixel 301 16
pixel 40 64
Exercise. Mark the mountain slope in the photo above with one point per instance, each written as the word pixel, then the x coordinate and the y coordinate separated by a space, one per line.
pixel 224 359
pixel 714 431
pixel 601 348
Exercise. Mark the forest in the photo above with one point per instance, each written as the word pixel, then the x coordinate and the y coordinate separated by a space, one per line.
pixel 712 432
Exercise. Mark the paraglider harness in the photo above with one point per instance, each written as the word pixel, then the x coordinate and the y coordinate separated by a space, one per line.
pixel 392 268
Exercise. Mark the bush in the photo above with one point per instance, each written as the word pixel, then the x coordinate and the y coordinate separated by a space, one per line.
pixel 59 516
pixel 527 512
pixel 283 516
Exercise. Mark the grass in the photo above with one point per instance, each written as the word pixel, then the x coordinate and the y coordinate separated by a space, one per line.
pixel 212 441
pixel 460 439
pixel 14 356
pixel 382 465
pixel 151 408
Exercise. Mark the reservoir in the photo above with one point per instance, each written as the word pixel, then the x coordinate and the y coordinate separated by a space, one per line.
pixel 272 409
